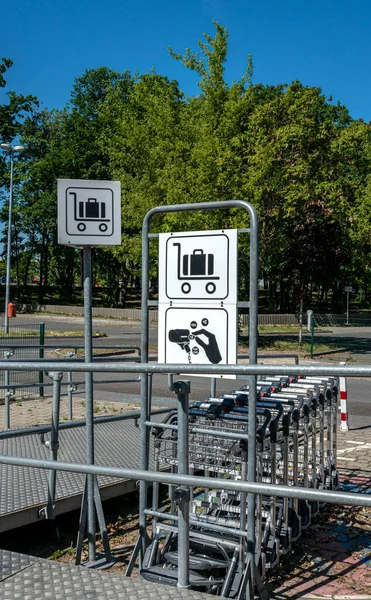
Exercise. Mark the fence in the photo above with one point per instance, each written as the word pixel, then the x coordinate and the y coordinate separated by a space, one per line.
pixel 23 342
pixel 36 386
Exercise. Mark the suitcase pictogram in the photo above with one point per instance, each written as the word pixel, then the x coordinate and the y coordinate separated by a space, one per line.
pixel 198 263
pixel 196 266
pixel 90 210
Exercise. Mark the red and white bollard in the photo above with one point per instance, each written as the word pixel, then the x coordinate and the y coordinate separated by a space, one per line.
pixel 344 426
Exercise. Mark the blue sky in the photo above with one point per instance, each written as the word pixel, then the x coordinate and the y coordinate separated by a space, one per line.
pixel 326 43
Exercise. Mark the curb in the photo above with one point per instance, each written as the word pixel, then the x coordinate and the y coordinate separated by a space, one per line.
pixel 324 353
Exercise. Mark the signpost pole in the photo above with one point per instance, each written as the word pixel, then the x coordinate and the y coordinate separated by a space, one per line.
pixel 347 307
pixel 89 214
pixel 89 402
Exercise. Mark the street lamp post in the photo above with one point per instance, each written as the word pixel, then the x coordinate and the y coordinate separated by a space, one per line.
pixel 11 149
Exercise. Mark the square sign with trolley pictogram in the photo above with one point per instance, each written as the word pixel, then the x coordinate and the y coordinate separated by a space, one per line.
pixel 198 266
pixel 89 213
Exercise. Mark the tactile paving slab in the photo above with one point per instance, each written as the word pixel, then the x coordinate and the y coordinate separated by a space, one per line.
pixel 116 445
pixel 45 580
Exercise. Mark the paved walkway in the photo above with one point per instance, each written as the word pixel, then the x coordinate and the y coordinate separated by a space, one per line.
pixel 29 578
pixel 333 559
pixel 26 413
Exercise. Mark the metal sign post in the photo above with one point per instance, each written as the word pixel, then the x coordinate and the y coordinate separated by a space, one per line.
pixel 197 265
pixel 89 214
pixel 348 290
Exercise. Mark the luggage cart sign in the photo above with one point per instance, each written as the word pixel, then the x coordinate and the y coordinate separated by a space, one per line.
pixel 89 213
pixel 199 266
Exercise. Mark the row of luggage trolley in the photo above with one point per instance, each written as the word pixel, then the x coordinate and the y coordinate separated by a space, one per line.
pixel 296 427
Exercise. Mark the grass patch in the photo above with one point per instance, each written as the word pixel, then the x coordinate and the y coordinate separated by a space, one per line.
pixel 274 345
pixel 286 328
pixel 74 333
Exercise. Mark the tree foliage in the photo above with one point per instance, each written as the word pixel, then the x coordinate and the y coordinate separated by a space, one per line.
pixel 300 159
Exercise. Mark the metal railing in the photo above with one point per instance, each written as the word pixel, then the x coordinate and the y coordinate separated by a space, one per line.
pixel 246 370
pixel 12 386
pixel 181 479
pixel 29 337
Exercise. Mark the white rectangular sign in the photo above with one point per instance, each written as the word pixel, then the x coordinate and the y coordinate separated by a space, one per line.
pixel 198 266
pixel 89 212
pixel 197 335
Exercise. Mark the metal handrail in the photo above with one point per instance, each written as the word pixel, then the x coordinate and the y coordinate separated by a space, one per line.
pixel 333 497
pixel 248 370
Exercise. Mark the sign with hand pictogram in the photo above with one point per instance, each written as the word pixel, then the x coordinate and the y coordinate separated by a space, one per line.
pixel 199 335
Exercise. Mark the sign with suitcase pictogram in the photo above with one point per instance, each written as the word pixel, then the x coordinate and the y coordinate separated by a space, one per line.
pixel 89 213
pixel 199 266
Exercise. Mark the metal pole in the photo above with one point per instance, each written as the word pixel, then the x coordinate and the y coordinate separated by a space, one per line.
pixel 7 354
pixel 182 389
pixel 301 319
pixel 41 355
pixel 69 394
pixel 48 512
pixel 70 387
pixel 312 337
pixel 89 402
pixel 9 245
pixel 145 402
pixel 253 352
pixel 347 308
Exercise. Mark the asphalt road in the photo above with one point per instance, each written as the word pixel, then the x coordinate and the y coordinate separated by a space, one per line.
pixel 357 341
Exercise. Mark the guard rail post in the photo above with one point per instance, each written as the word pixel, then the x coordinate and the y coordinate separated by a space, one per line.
pixel 312 336
pixel 344 425
pixel 182 493
pixel 7 355
pixel 70 387
pixel 48 511
pixel 41 355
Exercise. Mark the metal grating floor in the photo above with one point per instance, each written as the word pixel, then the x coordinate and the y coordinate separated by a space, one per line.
pixel 25 490
pixel 28 578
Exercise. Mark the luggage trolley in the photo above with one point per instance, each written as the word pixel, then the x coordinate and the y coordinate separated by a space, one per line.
pixel 217 447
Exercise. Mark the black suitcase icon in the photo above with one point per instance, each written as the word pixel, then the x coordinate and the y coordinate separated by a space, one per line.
pixel 195 264
pixel 92 209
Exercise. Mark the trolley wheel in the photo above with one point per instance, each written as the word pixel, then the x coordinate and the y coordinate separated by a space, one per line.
pixel 314 507
pixel 304 512
pixel 103 227
pixel 271 551
pixel 210 287
pixel 294 524
pixel 186 287
pixel 81 226
pixel 334 479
